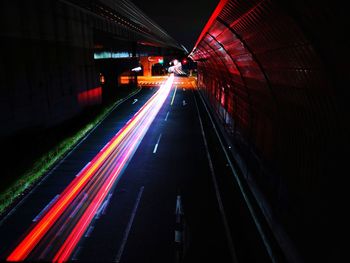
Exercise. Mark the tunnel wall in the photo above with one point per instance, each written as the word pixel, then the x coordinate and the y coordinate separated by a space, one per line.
pixel 274 72
pixel 46 62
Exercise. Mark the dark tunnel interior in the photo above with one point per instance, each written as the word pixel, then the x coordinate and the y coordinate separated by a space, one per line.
pixel 274 74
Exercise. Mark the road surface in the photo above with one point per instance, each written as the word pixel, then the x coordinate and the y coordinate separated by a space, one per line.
pixel 142 187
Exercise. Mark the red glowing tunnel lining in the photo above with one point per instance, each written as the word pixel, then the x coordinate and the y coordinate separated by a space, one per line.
pixel 89 97
pixel 215 14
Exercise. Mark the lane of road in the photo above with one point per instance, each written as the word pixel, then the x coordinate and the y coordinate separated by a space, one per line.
pixel 136 221
pixel 23 215
pixel 64 223
pixel 179 168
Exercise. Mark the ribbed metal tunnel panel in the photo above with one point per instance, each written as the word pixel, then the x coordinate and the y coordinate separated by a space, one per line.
pixel 271 83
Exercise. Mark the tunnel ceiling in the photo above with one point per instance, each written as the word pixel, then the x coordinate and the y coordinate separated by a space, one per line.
pixel 260 57
pixel 278 68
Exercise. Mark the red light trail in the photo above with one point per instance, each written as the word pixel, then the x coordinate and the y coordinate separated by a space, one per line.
pixel 92 186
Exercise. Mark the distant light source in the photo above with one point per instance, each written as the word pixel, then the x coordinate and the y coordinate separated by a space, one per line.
pixel 108 55
pixel 160 60
pixel 137 69
pixel 102 79
pixel 90 97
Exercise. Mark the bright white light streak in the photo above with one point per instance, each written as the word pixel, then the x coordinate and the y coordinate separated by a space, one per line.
pixel 137 69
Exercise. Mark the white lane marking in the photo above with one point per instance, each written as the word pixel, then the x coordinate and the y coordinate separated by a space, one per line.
pixel 180 231
pixel 45 208
pixel 178 236
pixel 42 255
pixel 103 207
pixel 76 254
pixel 78 206
pixel 172 100
pixel 184 103
pixel 103 147
pixel 60 231
pixel 178 209
pixel 166 117
pixel 99 211
pixel 127 230
pixel 217 191
pixel 135 100
pixel 83 169
pixel 106 204
pixel 88 232
pixel 156 146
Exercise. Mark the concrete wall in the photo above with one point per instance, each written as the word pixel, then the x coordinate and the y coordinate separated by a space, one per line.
pixel 46 61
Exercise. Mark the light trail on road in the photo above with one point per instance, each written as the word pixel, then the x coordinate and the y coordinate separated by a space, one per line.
pixel 67 219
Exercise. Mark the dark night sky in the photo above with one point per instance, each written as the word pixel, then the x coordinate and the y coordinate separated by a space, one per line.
pixel 182 19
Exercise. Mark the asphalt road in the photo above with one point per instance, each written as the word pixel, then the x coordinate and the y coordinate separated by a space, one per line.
pixel 162 207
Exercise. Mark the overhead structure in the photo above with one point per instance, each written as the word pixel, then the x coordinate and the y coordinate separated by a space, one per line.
pixel 275 72
pixel 56 50
pixel 128 22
